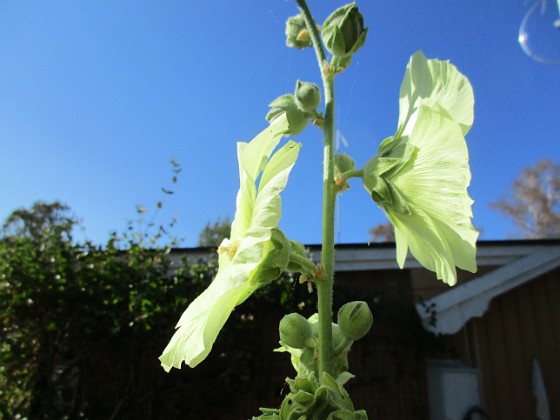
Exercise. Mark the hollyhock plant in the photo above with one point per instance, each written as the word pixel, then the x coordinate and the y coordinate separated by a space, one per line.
pixel 419 177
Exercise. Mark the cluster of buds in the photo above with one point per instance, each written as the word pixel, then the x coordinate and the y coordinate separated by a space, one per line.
pixel 343 34
pixel 315 398
pixel 299 337
pixel 314 395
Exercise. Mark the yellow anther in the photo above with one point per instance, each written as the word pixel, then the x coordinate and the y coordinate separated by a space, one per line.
pixel 303 36
pixel 228 247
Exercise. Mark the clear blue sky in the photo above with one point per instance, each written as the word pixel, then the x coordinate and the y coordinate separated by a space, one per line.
pixel 97 96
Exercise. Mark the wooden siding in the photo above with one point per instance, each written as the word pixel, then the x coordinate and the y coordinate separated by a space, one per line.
pixel 389 361
pixel 519 326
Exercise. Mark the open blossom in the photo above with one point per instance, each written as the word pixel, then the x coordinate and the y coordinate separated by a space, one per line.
pixel 420 176
pixel 255 253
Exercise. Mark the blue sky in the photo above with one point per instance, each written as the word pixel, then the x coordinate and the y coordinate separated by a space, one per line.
pixel 97 97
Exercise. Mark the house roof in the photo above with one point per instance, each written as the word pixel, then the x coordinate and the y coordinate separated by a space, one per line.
pixel 459 304
pixel 382 256
pixel 517 262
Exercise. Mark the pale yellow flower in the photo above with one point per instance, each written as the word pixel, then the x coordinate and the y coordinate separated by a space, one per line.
pixel 246 259
pixel 420 176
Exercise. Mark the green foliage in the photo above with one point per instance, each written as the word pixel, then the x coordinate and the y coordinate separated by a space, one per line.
pixel 81 325
pixel 214 233
pixel 42 218
pixel 61 303
pixel 310 398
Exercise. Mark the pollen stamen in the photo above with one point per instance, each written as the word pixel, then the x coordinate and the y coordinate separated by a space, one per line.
pixel 228 247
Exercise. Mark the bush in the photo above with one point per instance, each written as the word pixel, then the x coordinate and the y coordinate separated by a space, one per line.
pixel 82 327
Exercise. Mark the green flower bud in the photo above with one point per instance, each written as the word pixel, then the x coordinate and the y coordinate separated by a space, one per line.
pixel 297 119
pixel 297 35
pixel 307 95
pixel 294 330
pixel 343 32
pixel 355 319
pixel 343 163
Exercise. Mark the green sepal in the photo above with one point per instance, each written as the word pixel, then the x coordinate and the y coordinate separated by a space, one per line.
pixel 298 248
pixel 308 360
pixel 286 104
pixel 306 383
pixel 300 262
pixel 340 341
pixel 393 157
pixel 339 64
pixel 276 255
pixel 343 414
pixel 268 414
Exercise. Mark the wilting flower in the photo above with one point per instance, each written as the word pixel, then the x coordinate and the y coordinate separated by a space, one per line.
pixel 420 176
pixel 254 255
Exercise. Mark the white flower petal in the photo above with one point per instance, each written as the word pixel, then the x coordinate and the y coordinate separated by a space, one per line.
pixel 439 85
pixel 438 231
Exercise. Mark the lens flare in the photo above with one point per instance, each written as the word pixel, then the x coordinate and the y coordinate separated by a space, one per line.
pixel 539 33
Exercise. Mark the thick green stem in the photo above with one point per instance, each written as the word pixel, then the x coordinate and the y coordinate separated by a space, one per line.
pixel 325 284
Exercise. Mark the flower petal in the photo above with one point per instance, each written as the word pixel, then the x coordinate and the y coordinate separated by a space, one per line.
pixel 426 244
pixel 267 208
pixel 438 178
pixel 438 231
pixel 253 158
pixel 200 324
pixel 438 85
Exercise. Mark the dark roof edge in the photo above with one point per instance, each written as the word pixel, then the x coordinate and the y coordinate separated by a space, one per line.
pixel 390 245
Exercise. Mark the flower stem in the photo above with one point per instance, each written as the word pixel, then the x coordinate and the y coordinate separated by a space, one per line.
pixel 305 264
pixel 325 285
pixel 355 173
